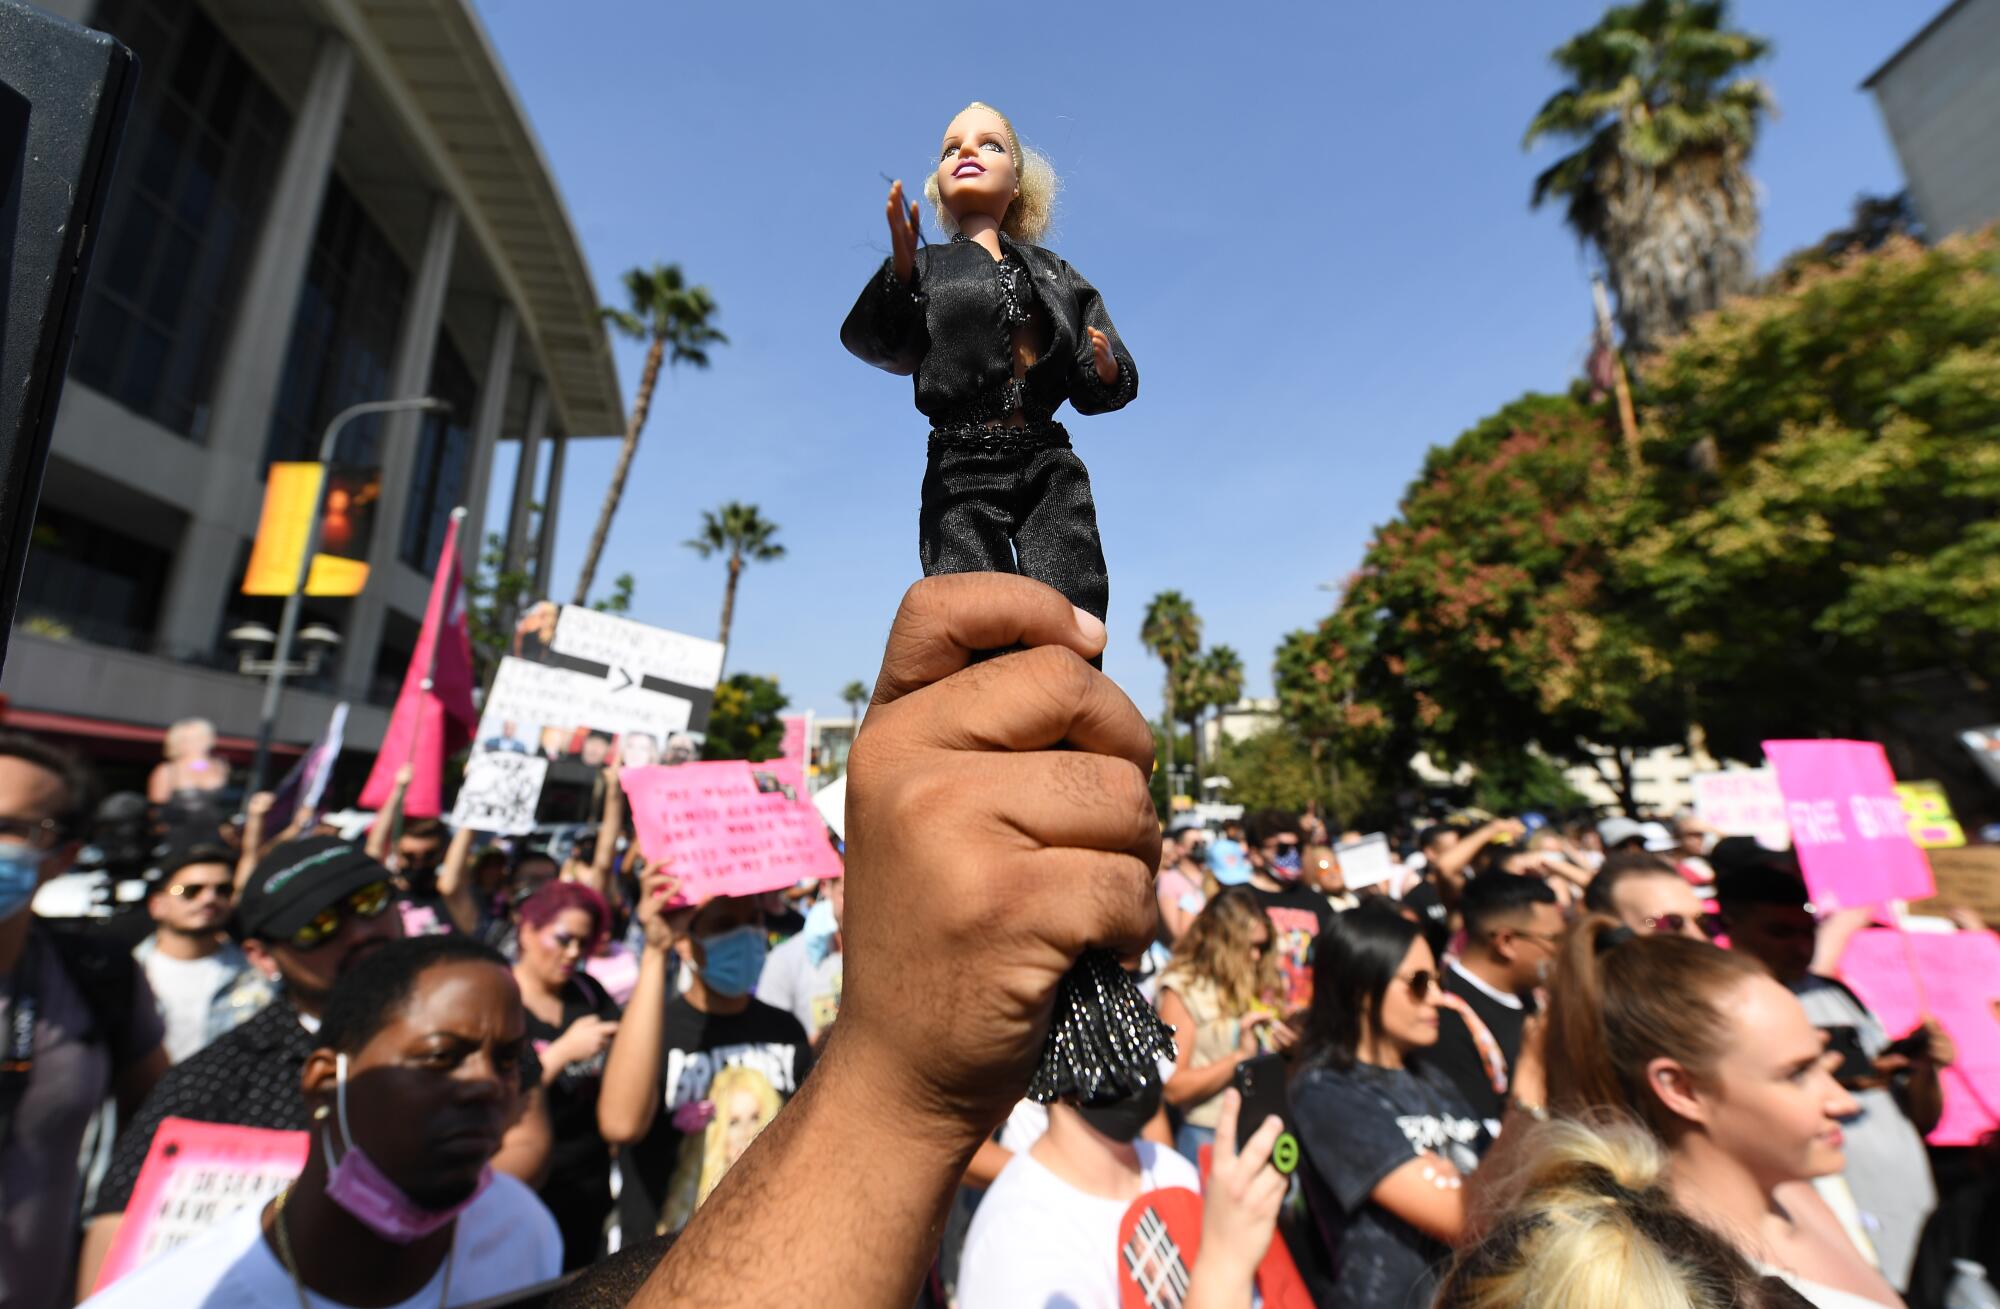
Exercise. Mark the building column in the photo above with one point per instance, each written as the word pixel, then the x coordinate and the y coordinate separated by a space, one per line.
pixel 545 549
pixel 486 422
pixel 402 432
pixel 253 362
pixel 524 478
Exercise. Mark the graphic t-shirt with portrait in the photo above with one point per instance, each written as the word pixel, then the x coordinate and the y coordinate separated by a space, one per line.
pixel 723 1078
pixel 1358 1125
pixel 1298 915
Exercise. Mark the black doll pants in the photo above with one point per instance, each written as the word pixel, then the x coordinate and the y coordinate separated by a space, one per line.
pixel 1013 500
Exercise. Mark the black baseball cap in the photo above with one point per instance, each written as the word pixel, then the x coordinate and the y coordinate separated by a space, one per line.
pixel 295 881
pixel 189 856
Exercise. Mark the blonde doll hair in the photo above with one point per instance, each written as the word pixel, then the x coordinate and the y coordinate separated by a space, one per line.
pixel 1028 216
pixel 1592 1224
pixel 728 1082
pixel 184 733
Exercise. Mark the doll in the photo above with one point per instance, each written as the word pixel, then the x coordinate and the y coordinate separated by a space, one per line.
pixel 996 333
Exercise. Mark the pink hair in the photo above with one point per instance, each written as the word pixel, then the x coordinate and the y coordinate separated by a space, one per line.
pixel 556 898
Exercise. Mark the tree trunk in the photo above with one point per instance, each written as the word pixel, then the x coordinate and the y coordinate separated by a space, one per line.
pixel 1200 756
pixel 1167 726
pixel 1677 241
pixel 729 601
pixel 641 403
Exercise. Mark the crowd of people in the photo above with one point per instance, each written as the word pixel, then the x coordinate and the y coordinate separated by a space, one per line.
pixel 1601 1062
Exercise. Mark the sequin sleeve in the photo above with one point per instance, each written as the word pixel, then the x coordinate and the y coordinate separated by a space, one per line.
pixel 886 326
pixel 1089 394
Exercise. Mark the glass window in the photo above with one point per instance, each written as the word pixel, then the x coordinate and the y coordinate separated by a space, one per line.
pixel 343 346
pixel 444 453
pixel 92 583
pixel 199 160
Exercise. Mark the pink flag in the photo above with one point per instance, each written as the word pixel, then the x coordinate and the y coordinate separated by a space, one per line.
pixel 1848 825
pixel 434 717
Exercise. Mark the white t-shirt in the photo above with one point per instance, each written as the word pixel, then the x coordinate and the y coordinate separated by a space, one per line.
pixel 185 989
pixel 506 1241
pixel 1039 1243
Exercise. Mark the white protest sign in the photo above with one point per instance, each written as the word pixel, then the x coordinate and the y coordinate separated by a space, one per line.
pixel 500 792
pixel 636 651
pixel 529 696
pixel 1366 862
pixel 1743 802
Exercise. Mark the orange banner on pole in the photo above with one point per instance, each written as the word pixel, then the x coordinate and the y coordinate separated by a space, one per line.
pixel 289 493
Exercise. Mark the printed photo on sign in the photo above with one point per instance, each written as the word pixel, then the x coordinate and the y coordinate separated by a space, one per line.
pixel 742 1102
pixel 500 793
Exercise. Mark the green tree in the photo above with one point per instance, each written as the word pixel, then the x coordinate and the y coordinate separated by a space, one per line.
pixel 494 594
pixel 673 319
pixel 1276 769
pixel 1657 180
pixel 1845 531
pixel 746 722
pixel 856 695
pixel 1211 680
pixel 1171 633
pixel 743 536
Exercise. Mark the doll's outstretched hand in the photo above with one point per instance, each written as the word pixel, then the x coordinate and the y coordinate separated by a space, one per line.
pixel 1100 352
pixel 902 233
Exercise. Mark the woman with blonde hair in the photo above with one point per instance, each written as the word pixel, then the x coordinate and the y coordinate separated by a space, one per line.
pixel 1593 1224
pixel 186 784
pixel 1216 994
pixel 1719 1063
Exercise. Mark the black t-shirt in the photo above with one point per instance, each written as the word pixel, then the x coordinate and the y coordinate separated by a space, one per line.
pixel 745 1065
pixel 1298 915
pixel 572 1096
pixel 1457 1055
pixel 1358 1125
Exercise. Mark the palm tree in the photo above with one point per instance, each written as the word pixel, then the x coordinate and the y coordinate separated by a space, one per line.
pixel 1210 680
pixel 1171 633
pixel 745 535
pixel 673 319
pixel 856 695
pixel 1657 182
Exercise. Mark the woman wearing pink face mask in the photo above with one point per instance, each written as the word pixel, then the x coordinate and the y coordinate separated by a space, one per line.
pixel 571 1020
pixel 423 1052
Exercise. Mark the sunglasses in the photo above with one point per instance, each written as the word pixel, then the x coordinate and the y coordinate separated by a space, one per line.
pixel 1709 925
pixel 368 902
pixel 194 890
pixel 1420 983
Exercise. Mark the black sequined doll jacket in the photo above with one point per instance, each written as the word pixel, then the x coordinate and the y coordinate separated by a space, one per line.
pixel 951 330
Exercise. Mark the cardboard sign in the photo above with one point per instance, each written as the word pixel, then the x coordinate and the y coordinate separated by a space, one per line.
pixel 500 793
pixel 1932 825
pixel 197 1175
pixel 1961 985
pixel 1743 802
pixel 1366 862
pixel 1848 825
pixel 724 833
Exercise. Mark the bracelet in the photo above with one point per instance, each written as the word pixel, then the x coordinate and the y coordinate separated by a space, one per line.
pixel 1538 1112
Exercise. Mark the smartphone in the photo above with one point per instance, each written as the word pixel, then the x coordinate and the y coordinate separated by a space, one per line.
pixel 1261 1083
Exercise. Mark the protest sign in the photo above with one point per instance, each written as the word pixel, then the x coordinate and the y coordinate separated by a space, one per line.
pixel 1960 974
pixel 197 1175
pixel 1743 802
pixel 831 801
pixel 1366 862
pixel 1932 824
pixel 500 793
pixel 305 785
pixel 798 732
pixel 1847 823
pixel 724 834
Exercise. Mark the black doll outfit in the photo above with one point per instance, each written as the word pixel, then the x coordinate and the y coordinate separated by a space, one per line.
pixel 998 498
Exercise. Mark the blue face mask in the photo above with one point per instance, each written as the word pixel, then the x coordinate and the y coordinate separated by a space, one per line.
pixel 1285 863
pixel 734 960
pixel 20 872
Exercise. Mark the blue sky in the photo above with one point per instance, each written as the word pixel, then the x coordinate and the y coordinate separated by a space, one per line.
pixel 1310 224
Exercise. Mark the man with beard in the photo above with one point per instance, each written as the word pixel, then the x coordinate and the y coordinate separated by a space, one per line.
pixel 204 983
pixel 311 910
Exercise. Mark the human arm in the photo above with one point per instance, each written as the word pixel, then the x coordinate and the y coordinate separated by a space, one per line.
pixel 1187 1084
pixel 629 1098
pixel 524 1150
pixel 255 812
pixel 454 887
pixel 987 1161
pixel 597 876
pixel 160 784
pixel 581 1040
pixel 885 327
pixel 382 834
pixel 1176 916
pixel 1835 931
pixel 1103 377
pixel 1239 1212
pixel 1917 1090
pixel 955 790
pixel 1451 864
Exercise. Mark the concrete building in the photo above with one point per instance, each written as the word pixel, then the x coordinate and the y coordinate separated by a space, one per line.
pixel 318 202
pixel 1940 98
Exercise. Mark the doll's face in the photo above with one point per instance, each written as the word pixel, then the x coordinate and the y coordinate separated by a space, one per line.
pixel 976 172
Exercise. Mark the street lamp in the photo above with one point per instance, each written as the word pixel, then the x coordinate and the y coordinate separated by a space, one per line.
pixel 288 626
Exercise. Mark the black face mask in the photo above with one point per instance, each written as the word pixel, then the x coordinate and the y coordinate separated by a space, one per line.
pixel 1123 1120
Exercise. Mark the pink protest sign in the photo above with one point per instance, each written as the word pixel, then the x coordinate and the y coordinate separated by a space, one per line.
pixel 1961 985
pixel 1848 825
pixel 197 1175
pixel 798 730
pixel 724 834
